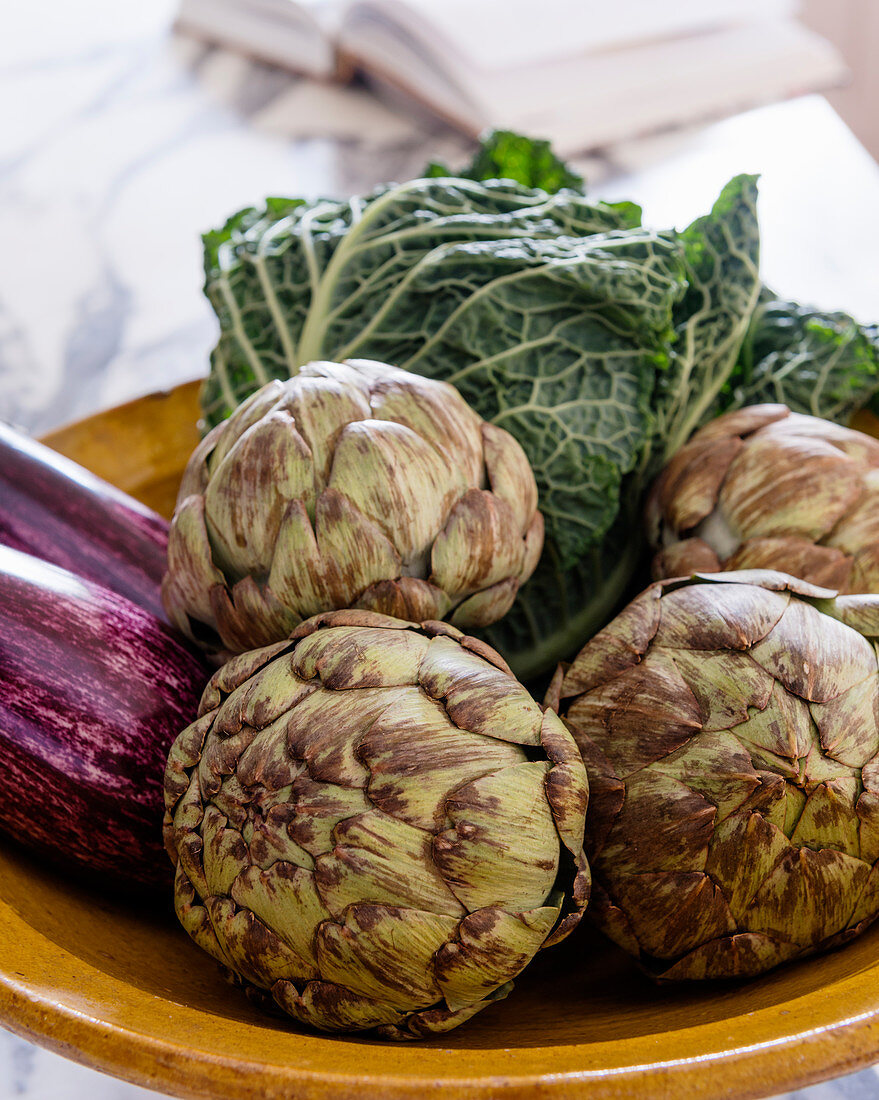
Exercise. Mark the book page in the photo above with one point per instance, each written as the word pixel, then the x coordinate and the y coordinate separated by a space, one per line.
pixel 327 13
pixel 602 99
pixel 503 34
pixel 298 34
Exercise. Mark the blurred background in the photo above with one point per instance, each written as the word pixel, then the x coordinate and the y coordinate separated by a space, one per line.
pixel 129 129
pixel 853 27
pixel 123 139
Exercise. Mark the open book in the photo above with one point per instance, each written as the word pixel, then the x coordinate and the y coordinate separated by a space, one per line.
pixel 581 73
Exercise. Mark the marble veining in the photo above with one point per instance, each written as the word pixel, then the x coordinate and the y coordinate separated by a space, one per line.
pixel 31 1073
pixel 121 142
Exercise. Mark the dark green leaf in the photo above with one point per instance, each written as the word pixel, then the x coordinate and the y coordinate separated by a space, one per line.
pixel 600 345
pixel 505 155
pixel 559 608
pixel 551 314
pixel 722 253
pixel 823 364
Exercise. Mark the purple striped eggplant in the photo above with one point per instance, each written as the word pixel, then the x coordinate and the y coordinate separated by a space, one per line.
pixel 56 510
pixel 93 691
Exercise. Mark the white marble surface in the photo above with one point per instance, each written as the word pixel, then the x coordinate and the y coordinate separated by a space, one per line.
pixel 119 144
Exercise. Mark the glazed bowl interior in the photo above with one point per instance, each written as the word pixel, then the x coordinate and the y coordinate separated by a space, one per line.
pixel 115 983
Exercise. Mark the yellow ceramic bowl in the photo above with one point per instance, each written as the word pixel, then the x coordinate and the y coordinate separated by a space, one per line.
pixel 127 992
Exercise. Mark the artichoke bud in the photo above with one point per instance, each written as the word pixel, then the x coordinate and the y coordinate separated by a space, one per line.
pixel 350 485
pixel 729 725
pixel 375 825
pixel 765 488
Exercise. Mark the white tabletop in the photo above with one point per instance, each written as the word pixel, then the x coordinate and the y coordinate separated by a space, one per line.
pixel 119 144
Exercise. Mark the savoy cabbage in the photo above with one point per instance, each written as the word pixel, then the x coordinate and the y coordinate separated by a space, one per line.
pixel 598 343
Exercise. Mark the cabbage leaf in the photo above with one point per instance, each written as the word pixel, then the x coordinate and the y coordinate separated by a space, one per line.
pixel 561 605
pixel 722 253
pixel 822 364
pixel 598 343
pixel 552 315
pixel 505 155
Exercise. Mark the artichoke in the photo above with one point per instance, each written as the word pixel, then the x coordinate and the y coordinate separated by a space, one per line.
pixel 350 485
pixel 765 488
pixel 375 825
pixel 729 728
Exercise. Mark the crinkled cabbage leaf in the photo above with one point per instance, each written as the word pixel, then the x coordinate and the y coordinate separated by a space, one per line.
pixel 598 343
pixel 551 314
pixel 823 364
pixel 505 155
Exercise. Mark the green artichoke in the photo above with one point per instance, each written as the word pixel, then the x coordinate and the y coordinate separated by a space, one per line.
pixel 375 825
pixel 729 728
pixel 350 485
pixel 765 488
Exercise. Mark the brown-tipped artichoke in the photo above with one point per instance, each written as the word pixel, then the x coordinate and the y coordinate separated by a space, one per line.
pixel 350 485
pixel 765 488
pixel 375 825
pixel 729 728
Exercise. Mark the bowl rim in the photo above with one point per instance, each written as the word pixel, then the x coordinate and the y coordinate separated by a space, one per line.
pixel 61 1016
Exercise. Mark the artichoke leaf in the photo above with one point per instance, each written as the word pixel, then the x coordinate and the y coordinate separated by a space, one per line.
pixel 489 702
pixel 497 852
pixel 248 492
pixel 285 898
pixel 332 1007
pixel 848 722
pixel 672 910
pixel 324 732
pixel 258 955
pixel 726 685
pixel 715 766
pixel 385 952
pixel 417 759
pixel 640 716
pixel 828 818
pixel 317 810
pixel 486 607
pixel 195 919
pixel 807 897
pixel 326 565
pixel 741 879
pixel 225 853
pixel 814 656
pixel 732 616
pixel 492 946
pixel 379 859
pixel 742 955
pixel 379 660
pixel 663 825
